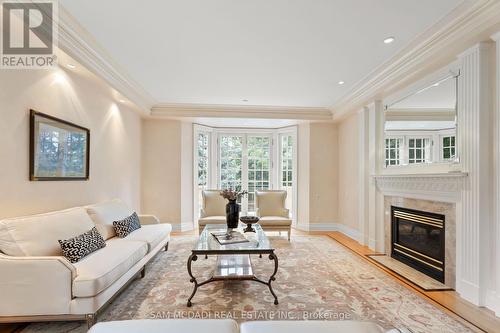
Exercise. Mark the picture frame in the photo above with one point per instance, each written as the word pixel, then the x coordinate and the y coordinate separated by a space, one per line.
pixel 59 150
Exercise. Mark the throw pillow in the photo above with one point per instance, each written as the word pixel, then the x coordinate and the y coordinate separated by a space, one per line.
pixel 82 245
pixel 124 227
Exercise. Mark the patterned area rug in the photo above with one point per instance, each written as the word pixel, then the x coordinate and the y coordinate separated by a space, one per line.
pixel 318 279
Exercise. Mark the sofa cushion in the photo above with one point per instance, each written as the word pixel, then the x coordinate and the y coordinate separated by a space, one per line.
pixel 317 326
pixel 39 235
pixel 76 248
pixel 212 220
pixel 102 268
pixel 105 213
pixel 274 220
pixel 167 325
pixel 129 224
pixel 213 203
pixel 151 234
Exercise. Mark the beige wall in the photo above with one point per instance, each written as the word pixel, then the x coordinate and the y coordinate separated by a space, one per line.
pixel 323 187
pixel 317 174
pixel 161 167
pixel 77 97
pixel 348 172
pixel 167 175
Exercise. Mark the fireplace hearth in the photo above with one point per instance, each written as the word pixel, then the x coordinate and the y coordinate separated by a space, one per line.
pixel 418 240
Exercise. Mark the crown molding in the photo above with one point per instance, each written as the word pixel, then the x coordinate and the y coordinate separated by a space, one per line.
pixel 77 42
pixel 240 111
pixel 470 23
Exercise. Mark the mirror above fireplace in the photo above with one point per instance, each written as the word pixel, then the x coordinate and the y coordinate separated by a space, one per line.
pixel 421 127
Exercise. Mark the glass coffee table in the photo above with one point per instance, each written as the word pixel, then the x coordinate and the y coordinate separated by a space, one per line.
pixel 233 260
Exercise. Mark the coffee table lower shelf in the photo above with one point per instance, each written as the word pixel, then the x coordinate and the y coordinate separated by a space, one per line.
pixel 232 267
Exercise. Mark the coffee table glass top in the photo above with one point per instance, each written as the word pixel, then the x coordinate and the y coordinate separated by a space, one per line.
pixel 208 244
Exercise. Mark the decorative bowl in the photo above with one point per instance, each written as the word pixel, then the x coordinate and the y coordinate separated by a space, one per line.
pixel 249 220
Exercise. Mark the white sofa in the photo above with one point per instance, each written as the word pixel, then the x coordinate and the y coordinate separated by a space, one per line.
pixel 37 283
pixel 230 326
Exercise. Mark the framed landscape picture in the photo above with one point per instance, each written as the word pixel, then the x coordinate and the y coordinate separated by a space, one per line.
pixel 59 150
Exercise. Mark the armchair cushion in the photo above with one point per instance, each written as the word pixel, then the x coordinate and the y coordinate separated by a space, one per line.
pixel 105 213
pixel 274 220
pixel 213 203
pixel 39 235
pixel 271 203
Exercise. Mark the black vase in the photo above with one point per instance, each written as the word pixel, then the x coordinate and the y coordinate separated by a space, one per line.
pixel 232 214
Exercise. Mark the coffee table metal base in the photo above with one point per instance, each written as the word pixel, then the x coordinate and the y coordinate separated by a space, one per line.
pixel 232 267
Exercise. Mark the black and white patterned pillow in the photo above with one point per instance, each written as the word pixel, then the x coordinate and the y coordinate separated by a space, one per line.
pixel 124 227
pixel 82 245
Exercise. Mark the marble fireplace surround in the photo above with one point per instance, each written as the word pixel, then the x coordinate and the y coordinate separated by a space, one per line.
pixel 444 208
pixel 436 193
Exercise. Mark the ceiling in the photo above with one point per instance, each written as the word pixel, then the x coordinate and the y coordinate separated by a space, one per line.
pixel 267 52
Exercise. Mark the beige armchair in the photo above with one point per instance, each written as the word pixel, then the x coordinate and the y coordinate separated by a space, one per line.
pixel 213 209
pixel 271 210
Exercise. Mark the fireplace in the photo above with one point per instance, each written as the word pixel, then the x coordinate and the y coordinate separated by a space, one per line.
pixel 418 240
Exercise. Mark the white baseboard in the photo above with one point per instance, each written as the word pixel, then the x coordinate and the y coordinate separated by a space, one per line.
pixel 350 232
pixel 187 226
pixel 493 301
pixel 468 291
pixel 176 227
pixel 322 227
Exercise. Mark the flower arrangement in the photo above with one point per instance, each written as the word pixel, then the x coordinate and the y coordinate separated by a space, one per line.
pixel 232 195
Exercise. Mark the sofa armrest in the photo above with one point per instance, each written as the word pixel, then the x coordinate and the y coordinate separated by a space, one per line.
pixel 35 285
pixel 202 213
pixel 148 219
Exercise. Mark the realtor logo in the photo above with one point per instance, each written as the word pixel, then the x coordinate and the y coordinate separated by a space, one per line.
pixel 29 34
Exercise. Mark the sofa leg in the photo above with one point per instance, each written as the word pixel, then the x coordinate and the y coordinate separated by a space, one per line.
pixel 91 319
pixel 143 272
pixel 166 247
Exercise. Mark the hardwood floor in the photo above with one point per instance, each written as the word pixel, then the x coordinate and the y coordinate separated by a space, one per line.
pixel 450 301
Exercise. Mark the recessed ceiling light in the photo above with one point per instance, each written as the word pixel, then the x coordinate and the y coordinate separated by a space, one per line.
pixel 244 100
pixel 122 100
pixel 435 84
pixel 389 40
pixel 71 66
pixel 341 82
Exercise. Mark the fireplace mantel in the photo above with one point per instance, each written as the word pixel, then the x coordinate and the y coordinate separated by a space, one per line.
pixel 444 187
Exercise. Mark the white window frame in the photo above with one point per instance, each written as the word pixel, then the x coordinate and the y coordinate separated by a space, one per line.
pixel 199 129
pixel 427 149
pixel 293 132
pixel 444 134
pixel 214 159
pixel 401 148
